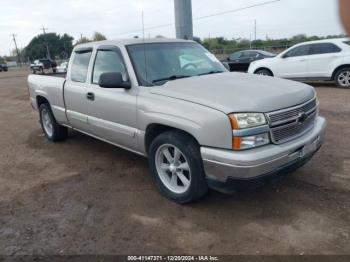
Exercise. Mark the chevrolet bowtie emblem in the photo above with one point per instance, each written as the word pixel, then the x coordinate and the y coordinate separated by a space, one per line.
pixel 302 118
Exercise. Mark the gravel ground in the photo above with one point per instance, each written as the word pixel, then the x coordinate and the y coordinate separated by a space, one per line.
pixel 87 197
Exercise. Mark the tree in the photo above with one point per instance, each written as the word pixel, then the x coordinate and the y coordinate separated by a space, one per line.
pixel 83 40
pixel 59 46
pixel 98 37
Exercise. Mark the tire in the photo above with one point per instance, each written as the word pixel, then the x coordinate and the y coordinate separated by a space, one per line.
pixel 52 130
pixel 190 183
pixel 42 71
pixel 34 72
pixel 54 71
pixel 342 78
pixel 264 72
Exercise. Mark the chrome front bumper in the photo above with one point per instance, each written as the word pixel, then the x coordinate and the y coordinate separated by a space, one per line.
pixel 223 165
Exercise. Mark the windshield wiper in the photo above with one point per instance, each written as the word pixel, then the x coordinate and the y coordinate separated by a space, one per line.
pixel 169 78
pixel 211 73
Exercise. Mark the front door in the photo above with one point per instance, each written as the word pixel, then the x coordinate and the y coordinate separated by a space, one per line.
pixel 293 64
pixel 112 112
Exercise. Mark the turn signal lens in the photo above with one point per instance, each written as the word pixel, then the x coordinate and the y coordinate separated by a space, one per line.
pixel 242 143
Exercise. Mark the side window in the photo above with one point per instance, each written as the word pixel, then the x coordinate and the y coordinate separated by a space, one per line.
pixel 108 61
pixel 235 56
pixel 80 66
pixel 298 51
pixel 324 48
pixel 248 54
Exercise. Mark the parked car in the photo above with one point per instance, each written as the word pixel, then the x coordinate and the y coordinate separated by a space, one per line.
pixel 62 69
pixel 240 61
pixel 318 60
pixel 200 127
pixel 41 65
pixel 3 67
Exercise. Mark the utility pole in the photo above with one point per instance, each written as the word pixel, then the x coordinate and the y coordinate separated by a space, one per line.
pixel 18 56
pixel 255 30
pixel 183 19
pixel 46 43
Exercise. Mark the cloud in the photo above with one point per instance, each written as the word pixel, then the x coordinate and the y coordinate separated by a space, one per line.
pixel 115 17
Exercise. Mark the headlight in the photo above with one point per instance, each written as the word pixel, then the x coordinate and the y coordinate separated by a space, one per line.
pixel 250 130
pixel 247 120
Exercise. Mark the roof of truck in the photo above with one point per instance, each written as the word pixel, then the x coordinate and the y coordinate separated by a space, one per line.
pixel 132 41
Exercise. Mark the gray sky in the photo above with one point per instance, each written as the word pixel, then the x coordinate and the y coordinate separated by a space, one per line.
pixel 115 17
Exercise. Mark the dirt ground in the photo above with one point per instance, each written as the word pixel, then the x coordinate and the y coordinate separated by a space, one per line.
pixel 87 197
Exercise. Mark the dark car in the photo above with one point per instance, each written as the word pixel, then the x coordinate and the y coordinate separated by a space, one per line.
pixel 3 67
pixel 43 64
pixel 240 61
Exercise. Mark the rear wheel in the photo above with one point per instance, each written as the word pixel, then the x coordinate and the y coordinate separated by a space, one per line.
pixel 176 165
pixel 342 78
pixel 264 72
pixel 52 130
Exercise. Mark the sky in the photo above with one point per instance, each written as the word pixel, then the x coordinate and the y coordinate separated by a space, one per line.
pixel 122 18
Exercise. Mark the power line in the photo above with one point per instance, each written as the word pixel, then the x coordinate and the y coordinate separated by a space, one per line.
pixel 202 17
pixel 237 10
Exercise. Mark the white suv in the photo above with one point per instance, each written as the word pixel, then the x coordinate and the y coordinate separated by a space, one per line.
pixel 318 60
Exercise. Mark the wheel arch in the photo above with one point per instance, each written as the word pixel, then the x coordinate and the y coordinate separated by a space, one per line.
pixel 263 68
pixel 41 100
pixel 155 129
pixel 337 69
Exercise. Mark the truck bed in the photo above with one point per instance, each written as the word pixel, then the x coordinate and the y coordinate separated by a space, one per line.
pixel 51 88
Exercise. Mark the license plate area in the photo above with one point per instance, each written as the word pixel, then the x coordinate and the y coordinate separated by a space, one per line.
pixel 310 148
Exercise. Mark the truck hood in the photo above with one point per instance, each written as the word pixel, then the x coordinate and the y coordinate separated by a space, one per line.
pixel 238 92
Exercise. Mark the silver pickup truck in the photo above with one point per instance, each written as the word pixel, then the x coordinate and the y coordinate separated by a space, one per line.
pixel 172 101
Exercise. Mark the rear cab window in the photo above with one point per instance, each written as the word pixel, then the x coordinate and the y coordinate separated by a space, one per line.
pixel 80 65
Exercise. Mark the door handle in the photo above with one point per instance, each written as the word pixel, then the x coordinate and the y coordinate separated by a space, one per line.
pixel 90 96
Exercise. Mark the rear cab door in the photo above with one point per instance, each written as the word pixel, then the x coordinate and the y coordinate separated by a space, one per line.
pixel 75 89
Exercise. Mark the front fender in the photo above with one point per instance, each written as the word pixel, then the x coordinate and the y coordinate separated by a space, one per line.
pixel 208 126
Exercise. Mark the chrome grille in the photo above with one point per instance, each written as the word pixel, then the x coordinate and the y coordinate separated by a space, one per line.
pixel 291 123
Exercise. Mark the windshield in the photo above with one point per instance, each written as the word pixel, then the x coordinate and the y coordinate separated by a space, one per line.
pixel 157 63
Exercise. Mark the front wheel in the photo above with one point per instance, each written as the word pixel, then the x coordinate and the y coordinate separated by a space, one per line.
pixel 52 130
pixel 176 165
pixel 264 72
pixel 342 78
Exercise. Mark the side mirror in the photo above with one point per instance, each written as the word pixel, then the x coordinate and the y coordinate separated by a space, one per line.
pixel 113 80
pixel 228 59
